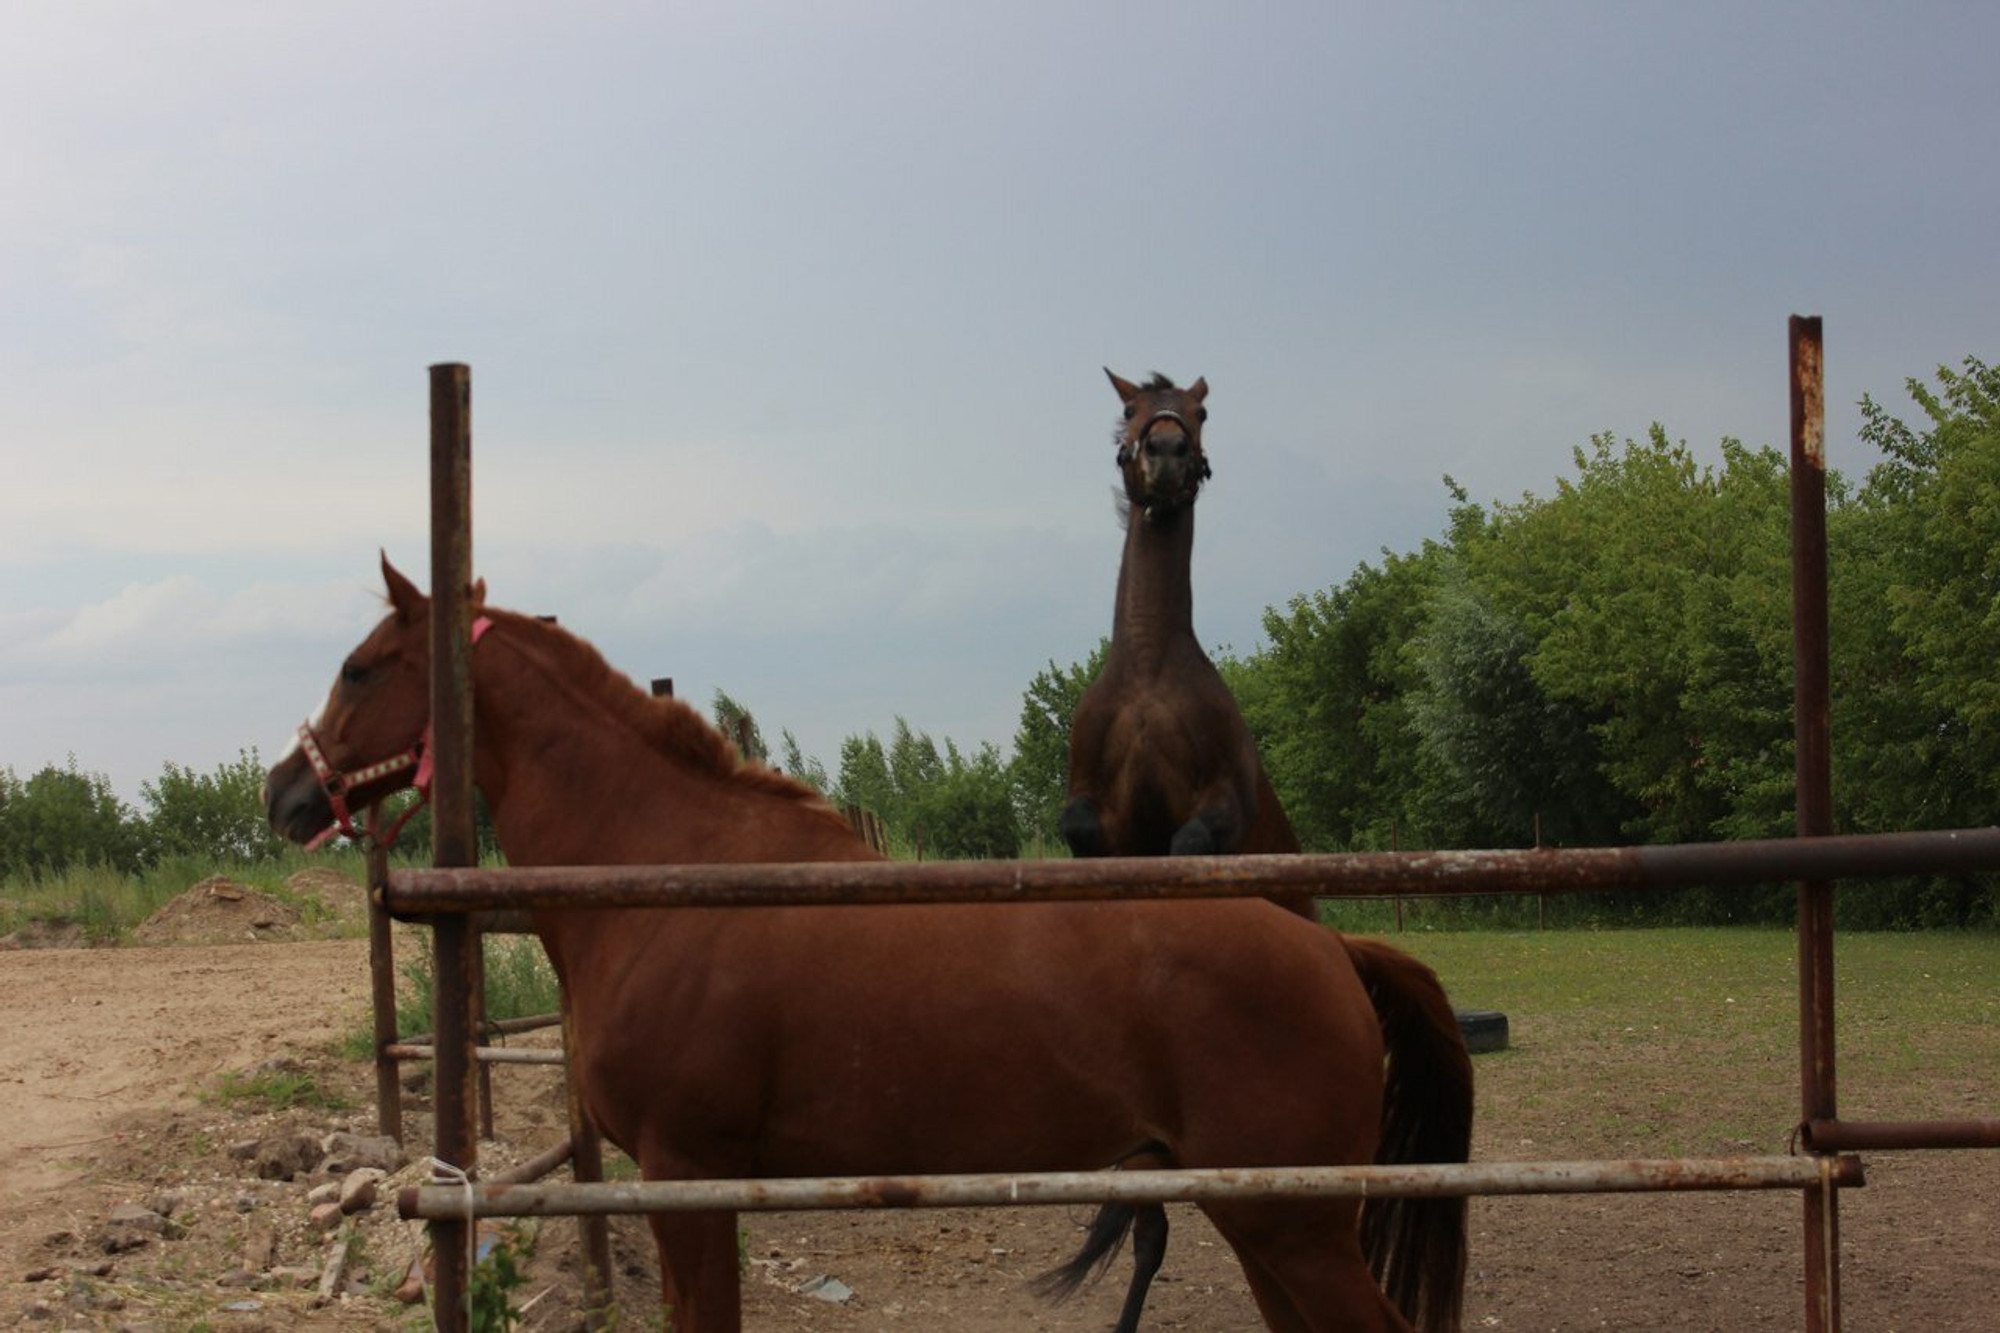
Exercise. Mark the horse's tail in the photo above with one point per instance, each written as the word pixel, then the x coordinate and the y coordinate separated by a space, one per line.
pixel 1416 1247
pixel 1101 1244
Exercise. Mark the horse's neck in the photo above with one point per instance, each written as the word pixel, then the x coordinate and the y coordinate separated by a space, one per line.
pixel 1155 606
pixel 569 782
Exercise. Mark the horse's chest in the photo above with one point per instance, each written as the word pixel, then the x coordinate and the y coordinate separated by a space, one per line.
pixel 1158 747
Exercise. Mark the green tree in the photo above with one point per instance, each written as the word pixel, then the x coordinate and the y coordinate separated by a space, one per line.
pixel 1916 711
pixel 1039 771
pixel 1630 581
pixel 1514 763
pixel 735 722
pixel 219 815
pixel 60 817
pixel 967 809
pixel 915 766
pixel 1328 701
pixel 864 777
pixel 953 804
pixel 801 765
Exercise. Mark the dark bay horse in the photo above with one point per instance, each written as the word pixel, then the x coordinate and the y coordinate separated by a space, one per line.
pixel 1160 760
pixel 785 1041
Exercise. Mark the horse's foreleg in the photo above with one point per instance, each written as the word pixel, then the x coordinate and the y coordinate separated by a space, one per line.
pixel 1082 828
pixel 698 1271
pixel 1215 831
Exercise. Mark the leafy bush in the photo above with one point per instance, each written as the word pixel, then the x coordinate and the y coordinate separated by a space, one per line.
pixel 218 815
pixel 63 817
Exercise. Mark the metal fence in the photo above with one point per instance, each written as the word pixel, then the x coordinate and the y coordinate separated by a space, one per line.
pixel 451 892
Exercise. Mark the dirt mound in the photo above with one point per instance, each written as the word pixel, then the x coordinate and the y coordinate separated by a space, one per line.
pixel 344 899
pixel 218 910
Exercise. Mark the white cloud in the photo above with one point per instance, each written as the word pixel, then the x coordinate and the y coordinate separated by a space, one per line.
pixel 182 617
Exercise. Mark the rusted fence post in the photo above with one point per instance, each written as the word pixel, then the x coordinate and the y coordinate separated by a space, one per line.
pixel 382 986
pixel 454 938
pixel 1812 731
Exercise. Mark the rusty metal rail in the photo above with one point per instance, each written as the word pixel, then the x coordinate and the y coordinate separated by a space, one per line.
pixel 1089 1187
pixel 1352 874
pixel 491 1055
pixel 1899 1135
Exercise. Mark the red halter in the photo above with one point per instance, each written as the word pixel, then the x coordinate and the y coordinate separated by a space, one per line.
pixel 337 784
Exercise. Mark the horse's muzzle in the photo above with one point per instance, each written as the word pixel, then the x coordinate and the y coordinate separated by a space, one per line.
pixel 294 802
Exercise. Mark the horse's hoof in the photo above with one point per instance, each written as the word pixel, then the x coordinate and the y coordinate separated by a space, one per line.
pixel 1081 829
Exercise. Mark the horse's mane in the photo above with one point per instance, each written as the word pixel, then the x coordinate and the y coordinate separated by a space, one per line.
pixel 667 724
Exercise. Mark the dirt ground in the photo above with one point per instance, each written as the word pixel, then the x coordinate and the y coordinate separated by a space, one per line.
pixel 110 1061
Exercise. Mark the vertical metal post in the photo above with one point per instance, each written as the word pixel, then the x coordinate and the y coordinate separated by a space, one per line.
pixel 1813 737
pixel 382 986
pixel 453 842
pixel 482 1072
pixel 1394 840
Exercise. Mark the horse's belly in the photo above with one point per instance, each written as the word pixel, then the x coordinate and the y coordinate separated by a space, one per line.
pixel 1011 1038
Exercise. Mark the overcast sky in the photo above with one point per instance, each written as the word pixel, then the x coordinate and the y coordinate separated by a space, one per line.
pixel 786 320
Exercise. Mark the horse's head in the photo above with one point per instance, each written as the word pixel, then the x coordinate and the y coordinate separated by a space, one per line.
pixel 370 739
pixel 1159 444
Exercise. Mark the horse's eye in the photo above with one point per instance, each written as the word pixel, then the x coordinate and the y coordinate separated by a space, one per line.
pixel 1201 414
pixel 352 673
pixel 1131 410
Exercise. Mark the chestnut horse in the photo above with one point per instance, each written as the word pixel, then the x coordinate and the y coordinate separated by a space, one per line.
pixel 1160 760
pixel 788 1041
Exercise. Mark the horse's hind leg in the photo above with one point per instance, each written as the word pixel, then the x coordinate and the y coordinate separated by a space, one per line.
pixel 1304 1265
pixel 698 1276
pixel 1149 1249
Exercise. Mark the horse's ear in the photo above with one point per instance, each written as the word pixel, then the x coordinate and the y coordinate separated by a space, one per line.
pixel 1199 389
pixel 479 592
pixel 403 594
pixel 1127 390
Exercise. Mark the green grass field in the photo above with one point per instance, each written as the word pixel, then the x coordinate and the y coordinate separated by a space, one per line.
pixel 1685 1042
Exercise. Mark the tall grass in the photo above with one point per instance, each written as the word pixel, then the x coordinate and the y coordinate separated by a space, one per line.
pixel 519 984
pixel 106 903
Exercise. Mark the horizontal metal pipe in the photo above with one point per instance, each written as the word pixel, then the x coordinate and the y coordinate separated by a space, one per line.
pixel 535 1167
pixel 1072 1187
pixel 1341 875
pixel 1889 1135
pixel 496 1026
pixel 529 1023
pixel 492 1055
